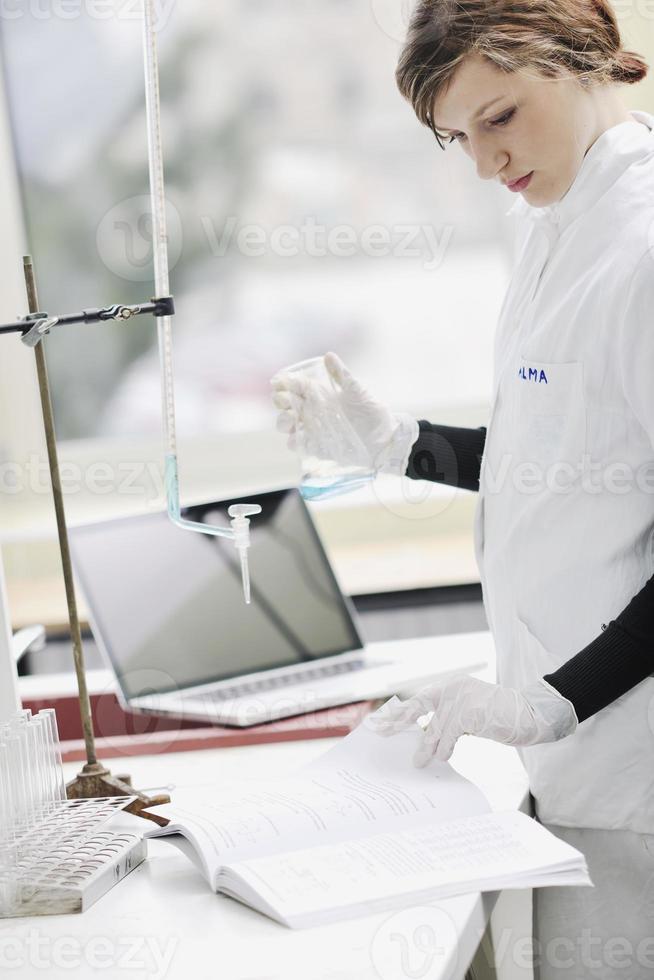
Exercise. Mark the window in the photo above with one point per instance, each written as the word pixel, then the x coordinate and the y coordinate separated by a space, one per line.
pixel 308 211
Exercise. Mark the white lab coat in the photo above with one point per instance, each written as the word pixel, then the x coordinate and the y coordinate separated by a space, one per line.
pixel 563 543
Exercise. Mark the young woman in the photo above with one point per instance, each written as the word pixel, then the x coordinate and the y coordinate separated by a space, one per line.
pixel 564 525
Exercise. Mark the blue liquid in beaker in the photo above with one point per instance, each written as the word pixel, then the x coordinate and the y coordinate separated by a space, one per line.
pixel 317 489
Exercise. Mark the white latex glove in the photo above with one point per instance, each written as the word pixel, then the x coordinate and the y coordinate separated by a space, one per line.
pixel 321 423
pixel 467 706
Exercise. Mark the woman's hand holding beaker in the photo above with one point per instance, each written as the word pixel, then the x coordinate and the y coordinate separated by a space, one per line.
pixel 335 424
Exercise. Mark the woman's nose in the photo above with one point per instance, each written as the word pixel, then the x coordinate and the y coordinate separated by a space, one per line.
pixel 489 160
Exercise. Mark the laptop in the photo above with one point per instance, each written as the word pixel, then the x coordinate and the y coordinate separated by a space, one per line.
pixel 167 612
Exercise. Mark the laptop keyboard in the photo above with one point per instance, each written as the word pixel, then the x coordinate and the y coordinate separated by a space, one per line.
pixel 291 679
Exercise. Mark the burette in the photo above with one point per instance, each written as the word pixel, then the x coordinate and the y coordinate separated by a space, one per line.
pixel 239 514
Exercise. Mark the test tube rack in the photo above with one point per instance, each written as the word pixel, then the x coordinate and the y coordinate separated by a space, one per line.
pixel 56 855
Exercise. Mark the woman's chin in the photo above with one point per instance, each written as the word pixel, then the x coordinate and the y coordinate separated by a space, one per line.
pixel 538 197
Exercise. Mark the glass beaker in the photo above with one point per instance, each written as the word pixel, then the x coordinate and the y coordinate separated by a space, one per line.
pixel 333 458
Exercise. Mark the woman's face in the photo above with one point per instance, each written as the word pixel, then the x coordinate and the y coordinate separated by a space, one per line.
pixel 518 124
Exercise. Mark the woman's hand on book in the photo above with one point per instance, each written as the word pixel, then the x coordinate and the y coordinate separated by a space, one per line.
pixel 467 706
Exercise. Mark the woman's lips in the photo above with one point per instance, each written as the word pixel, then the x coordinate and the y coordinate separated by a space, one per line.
pixel 521 183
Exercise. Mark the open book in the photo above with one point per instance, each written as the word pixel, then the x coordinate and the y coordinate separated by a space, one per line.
pixel 361 830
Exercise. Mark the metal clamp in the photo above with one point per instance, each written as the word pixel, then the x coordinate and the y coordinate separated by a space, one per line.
pixel 35 326
pixel 30 638
pixel 38 330
pixel 117 312
pixel 164 306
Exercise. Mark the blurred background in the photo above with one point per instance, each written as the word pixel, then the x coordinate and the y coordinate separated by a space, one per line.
pixel 308 210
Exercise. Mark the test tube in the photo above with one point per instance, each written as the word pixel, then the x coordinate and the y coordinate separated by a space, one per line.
pixel 6 800
pixel 9 889
pixel 57 789
pixel 29 735
pixel 8 854
pixel 41 765
pixel 28 768
pixel 15 776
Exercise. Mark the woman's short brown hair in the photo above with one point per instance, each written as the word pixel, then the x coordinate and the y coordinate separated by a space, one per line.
pixel 549 36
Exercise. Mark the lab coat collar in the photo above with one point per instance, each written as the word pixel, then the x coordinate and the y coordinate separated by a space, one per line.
pixel 609 156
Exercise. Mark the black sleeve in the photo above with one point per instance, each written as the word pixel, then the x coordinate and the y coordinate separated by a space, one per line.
pixel 623 653
pixel 614 662
pixel 447 454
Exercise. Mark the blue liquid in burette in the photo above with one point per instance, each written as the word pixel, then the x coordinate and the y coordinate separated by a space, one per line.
pixel 313 489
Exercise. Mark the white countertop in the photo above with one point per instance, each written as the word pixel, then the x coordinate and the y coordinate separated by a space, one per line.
pixel 162 921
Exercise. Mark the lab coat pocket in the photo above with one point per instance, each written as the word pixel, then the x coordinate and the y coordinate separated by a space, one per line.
pixel 549 412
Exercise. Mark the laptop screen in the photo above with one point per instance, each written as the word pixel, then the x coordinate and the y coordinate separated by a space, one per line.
pixel 167 604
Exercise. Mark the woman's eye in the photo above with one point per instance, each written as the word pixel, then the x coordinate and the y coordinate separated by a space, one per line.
pixel 447 138
pixel 504 118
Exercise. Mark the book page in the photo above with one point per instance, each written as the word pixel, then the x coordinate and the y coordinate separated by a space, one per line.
pixel 484 852
pixel 364 785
